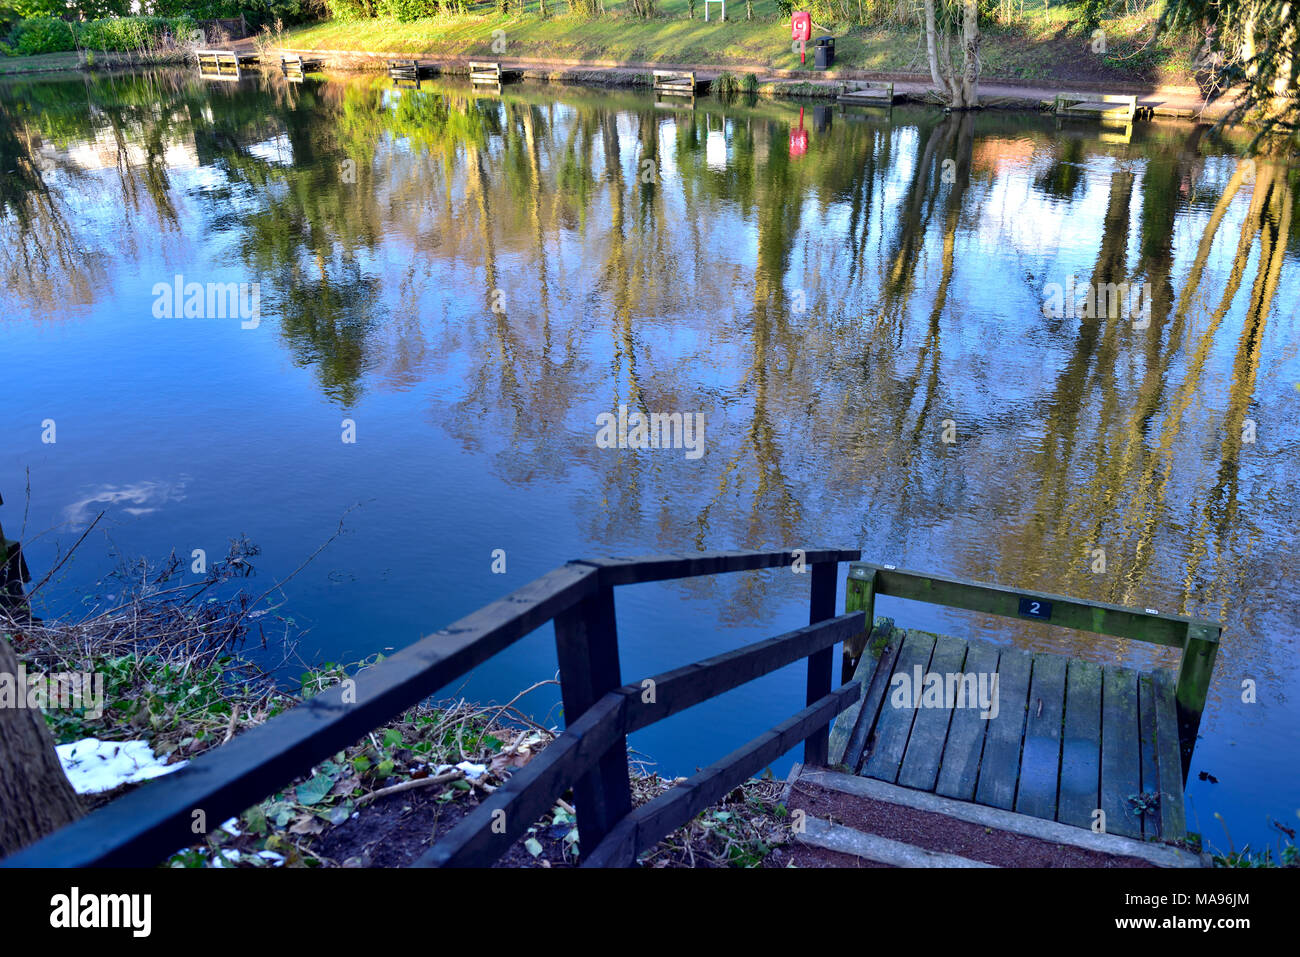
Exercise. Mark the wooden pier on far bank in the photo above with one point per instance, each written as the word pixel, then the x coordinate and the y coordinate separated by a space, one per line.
pixel 223 64
pixel 482 72
pixel 1121 107
pixel 295 67
pixel 869 93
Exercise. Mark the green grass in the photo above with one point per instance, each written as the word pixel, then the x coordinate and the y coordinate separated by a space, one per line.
pixel 32 64
pixel 1039 47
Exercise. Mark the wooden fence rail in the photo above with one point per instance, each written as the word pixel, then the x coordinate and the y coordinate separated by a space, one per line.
pixel 154 820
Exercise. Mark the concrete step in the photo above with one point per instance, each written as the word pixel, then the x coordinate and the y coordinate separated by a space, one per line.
pixel 882 850
pixel 1161 855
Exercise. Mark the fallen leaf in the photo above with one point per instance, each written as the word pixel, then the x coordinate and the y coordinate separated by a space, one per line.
pixel 307 824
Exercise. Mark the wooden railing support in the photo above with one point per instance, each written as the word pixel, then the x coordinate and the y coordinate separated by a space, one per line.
pixel 859 595
pixel 821 663
pixel 1193 686
pixel 586 644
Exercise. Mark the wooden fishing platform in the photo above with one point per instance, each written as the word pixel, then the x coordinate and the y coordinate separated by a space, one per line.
pixel 406 72
pixel 674 82
pixel 480 72
pixel 869 93
pixel 223 64
pixel 1108 106
pixel 1068 738
pixel 295 68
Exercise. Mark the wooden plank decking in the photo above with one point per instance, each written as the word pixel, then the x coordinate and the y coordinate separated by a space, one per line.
pixel 675 82
pixel 1069 737
pixel 869 93
pixel 1109 106
pixel 405 73
pixel 295 68
pixel 223 64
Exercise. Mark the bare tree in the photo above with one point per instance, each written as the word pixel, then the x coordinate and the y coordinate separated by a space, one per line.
pixel 957 85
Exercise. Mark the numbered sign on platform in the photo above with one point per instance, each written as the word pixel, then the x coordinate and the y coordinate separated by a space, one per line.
pixel 1035 608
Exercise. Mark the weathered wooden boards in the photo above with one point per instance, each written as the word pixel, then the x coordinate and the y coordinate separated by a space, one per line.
pixel 223 64
pixel 1067 740
pixel 295 68
pixel 674 82
pixel 1198 638
pixel 404 72
pixel 869 93
pixel 1109 106
pixel 480 72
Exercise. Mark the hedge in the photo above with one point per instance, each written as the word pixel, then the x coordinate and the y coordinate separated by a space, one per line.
pixel 118 34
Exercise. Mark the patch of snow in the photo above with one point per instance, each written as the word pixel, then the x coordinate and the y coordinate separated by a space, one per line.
pixel 94 766
pixel 471 769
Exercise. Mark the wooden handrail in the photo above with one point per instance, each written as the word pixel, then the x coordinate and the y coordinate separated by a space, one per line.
pixel 1198 638
pixel 152 821
pixel 532 790
pixel 644 827
pixel 147 824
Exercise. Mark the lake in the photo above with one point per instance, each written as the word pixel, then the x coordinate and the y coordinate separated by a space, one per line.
pixel 1053 357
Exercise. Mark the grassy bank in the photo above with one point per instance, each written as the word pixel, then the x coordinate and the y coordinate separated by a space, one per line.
pixel 10 65
pixel 1044 45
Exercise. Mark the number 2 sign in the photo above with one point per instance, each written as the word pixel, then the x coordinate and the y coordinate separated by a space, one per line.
pixel 1035 608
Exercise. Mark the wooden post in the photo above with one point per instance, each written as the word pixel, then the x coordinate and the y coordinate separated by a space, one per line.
pixel 816 749
pixel 860 595
pixel 586 644
pixel 13 574
pixel 1199 651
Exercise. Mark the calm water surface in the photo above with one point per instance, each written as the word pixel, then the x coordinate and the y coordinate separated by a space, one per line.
pixel 471 280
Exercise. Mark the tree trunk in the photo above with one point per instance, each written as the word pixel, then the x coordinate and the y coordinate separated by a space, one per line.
pixel 932 52
pixel 35 795
pixel 959 92
pixel 969 93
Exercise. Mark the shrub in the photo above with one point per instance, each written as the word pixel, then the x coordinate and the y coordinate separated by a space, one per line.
pixel 726 85
pixel 42 35
pixel 404 10
pixel 123 34
pixel 116 34
pixel 352 10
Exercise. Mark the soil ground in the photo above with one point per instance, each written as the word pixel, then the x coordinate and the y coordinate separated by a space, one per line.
pixel 935 832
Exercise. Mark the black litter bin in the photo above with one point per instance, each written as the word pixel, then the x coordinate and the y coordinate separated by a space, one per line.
pixel 825 53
